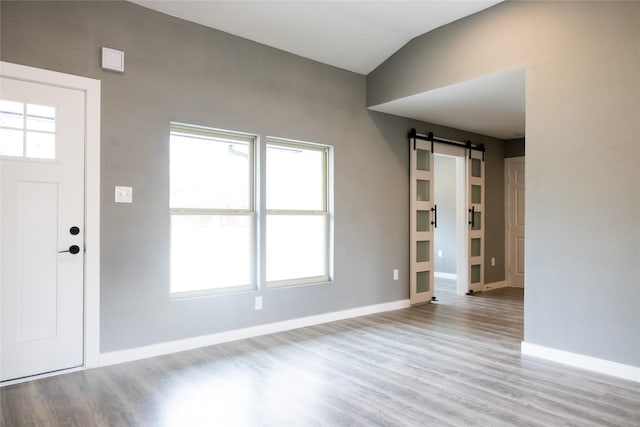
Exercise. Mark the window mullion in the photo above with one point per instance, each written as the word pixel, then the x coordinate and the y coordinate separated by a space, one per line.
pixel 204 211
pixel 294 212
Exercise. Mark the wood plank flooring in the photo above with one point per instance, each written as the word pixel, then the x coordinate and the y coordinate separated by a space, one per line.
pixel 453 363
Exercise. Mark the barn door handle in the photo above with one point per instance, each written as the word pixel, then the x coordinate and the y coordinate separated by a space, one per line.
pixel 73 249
pixel 434 209
pixel 472 221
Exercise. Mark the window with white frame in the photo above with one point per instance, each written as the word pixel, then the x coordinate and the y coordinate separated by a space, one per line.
pixel 212 209
pixel 297 201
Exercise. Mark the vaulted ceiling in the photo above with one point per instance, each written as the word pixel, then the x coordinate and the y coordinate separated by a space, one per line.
pixel 360 35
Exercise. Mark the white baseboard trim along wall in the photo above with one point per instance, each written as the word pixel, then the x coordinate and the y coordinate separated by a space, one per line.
pixel 495 285
pixel 121 356
pixel 602 366
pixel 487 286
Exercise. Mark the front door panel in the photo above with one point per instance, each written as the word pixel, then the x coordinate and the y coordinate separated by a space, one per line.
pixel 42 134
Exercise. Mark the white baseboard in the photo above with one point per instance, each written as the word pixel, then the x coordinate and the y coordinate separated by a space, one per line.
pixel 121 356
pixel 495 285
pixel 439 275
pixel 602 366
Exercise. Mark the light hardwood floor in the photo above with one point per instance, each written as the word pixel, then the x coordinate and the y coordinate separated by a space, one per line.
pixel 455 362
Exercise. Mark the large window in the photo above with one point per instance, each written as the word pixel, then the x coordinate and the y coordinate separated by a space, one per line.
pixel 297 200
pixel 212 209
pixel 216 212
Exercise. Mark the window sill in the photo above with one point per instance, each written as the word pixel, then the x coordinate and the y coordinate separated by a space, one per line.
pixel 205 293
pixel 307 281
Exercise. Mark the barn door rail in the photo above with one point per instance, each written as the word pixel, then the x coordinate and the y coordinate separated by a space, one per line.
pixel 430 137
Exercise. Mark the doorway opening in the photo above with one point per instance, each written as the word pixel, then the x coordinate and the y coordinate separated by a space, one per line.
pixel 424 215
pixel 450 261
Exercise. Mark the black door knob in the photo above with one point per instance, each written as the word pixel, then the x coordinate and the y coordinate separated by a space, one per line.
pixel 73 249
pixel 74 230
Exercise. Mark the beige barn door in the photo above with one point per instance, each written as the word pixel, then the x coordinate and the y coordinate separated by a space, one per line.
pixel 476 217
pixel 422 220
pixel 42 132
pixel 515 221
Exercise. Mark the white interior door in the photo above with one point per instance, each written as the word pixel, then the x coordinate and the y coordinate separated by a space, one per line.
pixel 423 217
pixel 476 217
pixel 515 221
pixel 42 132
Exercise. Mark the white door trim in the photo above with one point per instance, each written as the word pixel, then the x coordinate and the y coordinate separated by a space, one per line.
pixel 462 229
pixel 508 161
pixel 91 88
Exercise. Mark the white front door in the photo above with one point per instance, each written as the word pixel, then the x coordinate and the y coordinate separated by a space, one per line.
pixel 423 218
pixel 42 134
pixel 515 221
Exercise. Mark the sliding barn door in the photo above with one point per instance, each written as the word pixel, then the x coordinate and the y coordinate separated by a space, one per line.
pixel 423 217
pixel 476 217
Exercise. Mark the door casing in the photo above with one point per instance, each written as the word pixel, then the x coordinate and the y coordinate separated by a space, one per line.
pixel 91 88
pixel 462 231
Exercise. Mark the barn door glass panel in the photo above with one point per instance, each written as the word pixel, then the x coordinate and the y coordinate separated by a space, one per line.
pixel 475 209
pixel 421 221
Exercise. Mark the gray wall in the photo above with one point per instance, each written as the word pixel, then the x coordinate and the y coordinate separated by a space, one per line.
pixel 444 183
pixel 179 71
pixel 514 147
pixel 582 64
pixel 494 205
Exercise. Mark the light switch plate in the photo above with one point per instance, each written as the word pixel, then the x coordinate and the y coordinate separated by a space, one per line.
pixel 258 303
pixel 124 194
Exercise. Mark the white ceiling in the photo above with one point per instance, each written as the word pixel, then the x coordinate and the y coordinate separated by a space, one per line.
pixel 353 35
pixel 492 105
pixel 360 35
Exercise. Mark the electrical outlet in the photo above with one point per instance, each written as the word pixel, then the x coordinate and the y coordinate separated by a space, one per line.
pixel 258 303
pixel 439 253
pixel 395 274
pixel 493 262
